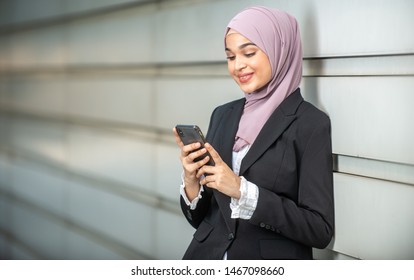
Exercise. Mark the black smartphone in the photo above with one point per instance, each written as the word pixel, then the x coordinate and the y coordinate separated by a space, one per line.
pixel 191 134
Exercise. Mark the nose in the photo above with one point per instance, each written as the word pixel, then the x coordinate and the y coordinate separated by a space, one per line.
pixel 239 63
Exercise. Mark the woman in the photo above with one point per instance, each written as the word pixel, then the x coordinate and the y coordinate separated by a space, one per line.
pixel 270 193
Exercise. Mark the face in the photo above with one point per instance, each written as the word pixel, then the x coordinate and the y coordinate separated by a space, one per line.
pixel 247 64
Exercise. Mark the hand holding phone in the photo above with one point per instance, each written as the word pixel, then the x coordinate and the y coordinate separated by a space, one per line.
pixel 192 134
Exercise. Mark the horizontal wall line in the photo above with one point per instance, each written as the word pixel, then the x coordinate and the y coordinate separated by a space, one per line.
pixel 360 75
pixel 389 65
pixel 378 169
pixel 11 239
pixel 65 222
pixel 132 130
pixel 361 55
pixel 329 254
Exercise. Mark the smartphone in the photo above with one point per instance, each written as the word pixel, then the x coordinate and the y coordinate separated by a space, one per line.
pixel 191 134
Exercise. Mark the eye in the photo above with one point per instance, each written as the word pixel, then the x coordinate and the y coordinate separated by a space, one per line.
pixel 231 57
pixel 250 54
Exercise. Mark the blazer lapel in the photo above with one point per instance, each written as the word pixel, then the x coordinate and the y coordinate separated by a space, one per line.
pixel 278 122
pixel 227 131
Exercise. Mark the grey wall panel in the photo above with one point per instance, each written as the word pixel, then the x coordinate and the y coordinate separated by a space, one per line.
pixel 3 244
pixel 4 214
pixel 23 10
pixel 5 128
pixel 332 28
pixel 79 6
pixel 4 172
pixel 191 101
pixel 81 248
pixel 122 37
pixel 5 14
pixel 172 236
pixel 111 156
pixel 38 93
pixel 192 32
pixel 127 100
pixel 384 170
pixel 20 253
pixel 39 187
pixel 125 221
pixel 44 236
pixel 167 171
pixel 373 218
pixel 4 55
pixel 370 115
pixel 37 48
pixel 39 138
pixel 374 65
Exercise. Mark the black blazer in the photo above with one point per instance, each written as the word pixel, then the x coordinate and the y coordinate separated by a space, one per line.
pixel 291 163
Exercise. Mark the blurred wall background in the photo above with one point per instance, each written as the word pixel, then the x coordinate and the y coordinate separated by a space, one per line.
pixel 89 92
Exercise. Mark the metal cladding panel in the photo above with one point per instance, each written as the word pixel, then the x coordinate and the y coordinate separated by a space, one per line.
pixel 371 116
pixel 373 218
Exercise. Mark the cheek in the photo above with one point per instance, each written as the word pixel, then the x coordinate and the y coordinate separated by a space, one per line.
pixel 269 74
pixel 266 72
pixel 230 68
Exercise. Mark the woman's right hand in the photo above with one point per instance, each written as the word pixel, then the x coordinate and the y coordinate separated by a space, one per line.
pixel 187 156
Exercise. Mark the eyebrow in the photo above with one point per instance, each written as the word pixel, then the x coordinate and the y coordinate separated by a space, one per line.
pixel 242 46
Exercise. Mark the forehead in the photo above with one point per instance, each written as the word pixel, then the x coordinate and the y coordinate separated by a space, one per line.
pixel 235 41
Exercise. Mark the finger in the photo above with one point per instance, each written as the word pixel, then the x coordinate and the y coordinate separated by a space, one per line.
pixel 187 149
pixel 177 138
pixel 207 180
pixel 206 169
pixel 198 153
pixel 216 157
pixel 196 166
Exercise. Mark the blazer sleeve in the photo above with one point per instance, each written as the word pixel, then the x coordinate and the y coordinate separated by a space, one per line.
pixel 196 216
pixel 310 219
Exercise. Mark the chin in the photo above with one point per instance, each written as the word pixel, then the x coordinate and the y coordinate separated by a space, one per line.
pixel 247 89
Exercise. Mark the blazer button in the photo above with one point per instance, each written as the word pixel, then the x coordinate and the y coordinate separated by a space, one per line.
pixel 267 227
pixel 262 225
pixel 230 236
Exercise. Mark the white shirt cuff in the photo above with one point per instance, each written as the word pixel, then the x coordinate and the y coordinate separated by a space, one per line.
pixel 244 207
pixel 192 204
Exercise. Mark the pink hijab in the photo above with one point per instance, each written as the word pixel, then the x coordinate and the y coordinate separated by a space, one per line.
pixel 276 33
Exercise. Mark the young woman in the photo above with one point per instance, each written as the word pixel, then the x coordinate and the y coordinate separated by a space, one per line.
pixel 270 193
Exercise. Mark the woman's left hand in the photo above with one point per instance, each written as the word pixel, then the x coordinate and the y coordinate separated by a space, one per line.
pixel 220 176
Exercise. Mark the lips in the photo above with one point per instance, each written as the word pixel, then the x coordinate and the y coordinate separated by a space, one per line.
pixel 244 78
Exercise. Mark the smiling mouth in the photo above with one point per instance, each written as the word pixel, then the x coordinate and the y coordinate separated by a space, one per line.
pixel 245 78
